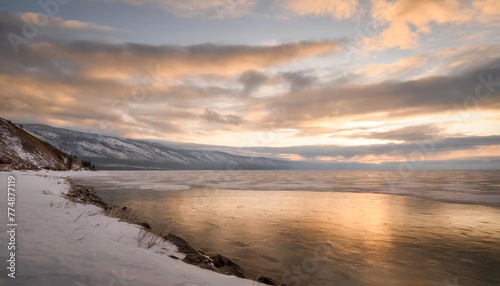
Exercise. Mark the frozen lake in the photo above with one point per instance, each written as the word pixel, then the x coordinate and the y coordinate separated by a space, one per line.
pixel 328 227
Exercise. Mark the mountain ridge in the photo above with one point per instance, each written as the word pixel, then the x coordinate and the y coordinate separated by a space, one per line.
pixel 108 152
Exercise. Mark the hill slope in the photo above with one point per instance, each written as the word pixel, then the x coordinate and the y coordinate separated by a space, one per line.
pixel 20 150
pixel 107 152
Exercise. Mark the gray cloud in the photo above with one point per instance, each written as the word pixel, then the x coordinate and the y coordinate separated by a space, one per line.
pixel 20 29
pixel 56 46
pixel 408 134
pixel 251 81
pixel 213 116
pixel 87 58
pixel 298 80
pixel 397 99
pixel 445 144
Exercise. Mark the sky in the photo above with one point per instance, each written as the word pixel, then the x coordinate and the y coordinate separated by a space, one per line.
pixel 352 81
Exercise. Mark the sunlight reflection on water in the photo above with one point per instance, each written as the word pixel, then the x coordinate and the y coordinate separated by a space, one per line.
pixel 324 237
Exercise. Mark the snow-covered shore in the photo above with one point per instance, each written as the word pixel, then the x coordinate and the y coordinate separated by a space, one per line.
pixel 59 242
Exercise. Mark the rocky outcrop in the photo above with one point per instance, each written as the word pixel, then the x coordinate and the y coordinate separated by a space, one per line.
pixel 85 195
pixel 19 150
pixel 217 263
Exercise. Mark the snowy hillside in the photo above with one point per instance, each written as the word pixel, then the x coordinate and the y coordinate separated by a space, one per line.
pixel 114 153
pixel 21 150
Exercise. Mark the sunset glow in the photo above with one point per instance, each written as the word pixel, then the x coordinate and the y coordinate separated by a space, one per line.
pixel 328 81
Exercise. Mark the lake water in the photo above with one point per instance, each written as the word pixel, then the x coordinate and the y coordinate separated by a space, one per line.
pixel 328 227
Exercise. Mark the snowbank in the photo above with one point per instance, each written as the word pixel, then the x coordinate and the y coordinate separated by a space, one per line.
pixel 62 243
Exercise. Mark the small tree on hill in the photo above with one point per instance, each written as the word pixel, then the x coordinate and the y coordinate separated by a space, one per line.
pixel 70 162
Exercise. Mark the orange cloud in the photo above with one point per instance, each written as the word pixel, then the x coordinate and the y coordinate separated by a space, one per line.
pixel 122 61
pixel 487 7
pixel 43 19
pixel 399 69
pixel 407 19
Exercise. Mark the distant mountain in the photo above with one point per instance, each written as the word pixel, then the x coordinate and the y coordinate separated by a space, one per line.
pixel 19 150
pixel 107 152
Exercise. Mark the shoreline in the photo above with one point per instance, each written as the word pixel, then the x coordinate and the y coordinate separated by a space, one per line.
pixel 216 262
pixel 62 242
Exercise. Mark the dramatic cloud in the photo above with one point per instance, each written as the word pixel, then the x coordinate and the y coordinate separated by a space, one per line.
pixel 350 103
pixel 473 89
pixel 120 61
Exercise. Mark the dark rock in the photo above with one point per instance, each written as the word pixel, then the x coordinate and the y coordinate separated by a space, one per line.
pixel 216 263
pixel 145 225
pixel 192 255
pixel 195 259
pixel 227 266
pixel 81 194
pixel 221 261
pixel 266 280
pixel 183 246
